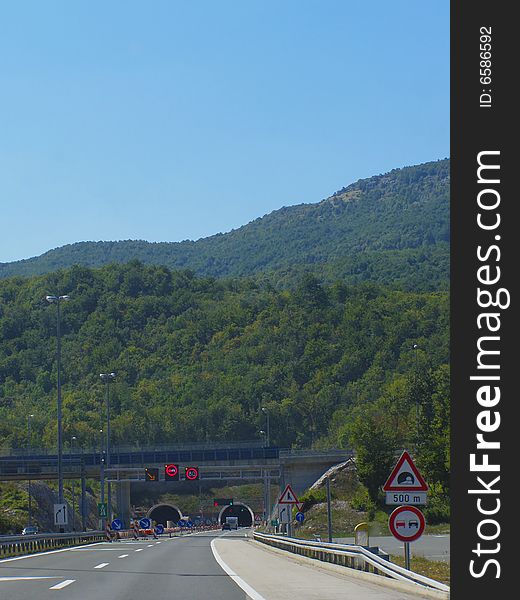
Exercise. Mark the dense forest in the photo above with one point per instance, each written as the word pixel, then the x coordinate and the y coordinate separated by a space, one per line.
pixel 363 366
pixel 391 229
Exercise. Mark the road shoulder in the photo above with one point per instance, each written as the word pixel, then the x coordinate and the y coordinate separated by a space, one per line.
pixel 277 575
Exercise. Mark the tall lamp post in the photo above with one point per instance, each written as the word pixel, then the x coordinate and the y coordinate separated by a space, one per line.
pixel 107 378
pixel 73 439
pixel 29 500
pixel 102 465
pixel 416 377
pixel 266 413
pixel 57 300
pixel 268 439
pixel 329 512
pixel 266 501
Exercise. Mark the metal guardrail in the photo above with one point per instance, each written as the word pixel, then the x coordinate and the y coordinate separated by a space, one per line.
pixel 19 545
pixel 16 545
pixel 354 557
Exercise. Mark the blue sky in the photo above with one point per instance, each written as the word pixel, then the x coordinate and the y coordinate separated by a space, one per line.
pixel 172 120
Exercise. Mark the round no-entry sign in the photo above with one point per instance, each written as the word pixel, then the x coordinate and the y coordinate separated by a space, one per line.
pixel 171 470
pixel 407 523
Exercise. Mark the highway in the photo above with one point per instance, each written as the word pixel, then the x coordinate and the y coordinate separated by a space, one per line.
pixel 202 566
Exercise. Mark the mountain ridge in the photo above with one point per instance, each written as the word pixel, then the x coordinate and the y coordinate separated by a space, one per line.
pixel 398 217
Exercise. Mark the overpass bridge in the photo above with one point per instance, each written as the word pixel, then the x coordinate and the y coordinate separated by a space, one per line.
pixel 229 463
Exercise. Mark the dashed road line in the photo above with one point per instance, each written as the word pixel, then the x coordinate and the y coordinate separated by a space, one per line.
pixel 139 550
pixel 101 565
pixel 61 585
pixel 123 556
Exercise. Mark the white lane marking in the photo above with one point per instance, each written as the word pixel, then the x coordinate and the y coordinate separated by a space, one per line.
pixel 251 593
pixel 60 586
pixel 24 578
pixel 96 549
pixel 150 546
pixel 3 560
pixel 101 565
pixel 139 550
pixel 123 556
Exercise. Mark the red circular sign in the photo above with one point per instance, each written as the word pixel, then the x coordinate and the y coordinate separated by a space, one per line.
pixel 406 523
pixel 171 470
pixel 192 473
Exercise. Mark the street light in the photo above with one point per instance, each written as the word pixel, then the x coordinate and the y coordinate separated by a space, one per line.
pixel 102 461
pixel 73 439
pixel 266 412
pixel 416 378
pixel 57 300
pixel 107 378
pixel 329 511
pixel 29 501
pixel 266 486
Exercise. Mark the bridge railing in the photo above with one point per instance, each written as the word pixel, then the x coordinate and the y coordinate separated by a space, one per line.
pixel 352 556
pixel 135 448
pixel 17 545
pixel 303 452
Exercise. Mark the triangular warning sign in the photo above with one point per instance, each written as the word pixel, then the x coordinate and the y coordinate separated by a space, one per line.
pixel 288 496
pixel 405 476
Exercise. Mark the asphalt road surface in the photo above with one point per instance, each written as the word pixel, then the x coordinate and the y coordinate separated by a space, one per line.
pixel 431 546
pixel 180 568
pixel 201 566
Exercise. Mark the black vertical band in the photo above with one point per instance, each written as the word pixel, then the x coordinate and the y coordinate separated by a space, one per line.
pixel 483 127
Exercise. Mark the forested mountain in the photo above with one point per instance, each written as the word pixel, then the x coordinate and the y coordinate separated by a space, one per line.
pixel 197 358
pixel 391 229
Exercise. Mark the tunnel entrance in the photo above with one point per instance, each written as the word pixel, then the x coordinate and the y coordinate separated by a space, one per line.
pixel 242 511
pixel 162 513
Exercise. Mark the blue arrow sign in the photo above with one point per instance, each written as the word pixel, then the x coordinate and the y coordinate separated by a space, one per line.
pixel 189 524
pixel 145 523
pixel 181 523
pixel 117 524
pixel 300 517
pixel 159 528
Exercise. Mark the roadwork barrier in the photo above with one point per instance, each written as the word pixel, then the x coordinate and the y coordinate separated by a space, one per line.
pixel 17 545
pixel 350 556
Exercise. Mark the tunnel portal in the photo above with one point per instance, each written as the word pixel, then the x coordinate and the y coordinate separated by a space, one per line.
pixel 242 511
pixel 162 513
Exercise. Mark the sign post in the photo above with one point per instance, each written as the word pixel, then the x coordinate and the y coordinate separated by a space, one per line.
pixel 405 484
pixel 60 514
pixel 406 488
pixel 288 497
pixel 117 525
pixel 407 524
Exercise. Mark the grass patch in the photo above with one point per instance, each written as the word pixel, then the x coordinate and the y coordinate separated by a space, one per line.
pixel 434 569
